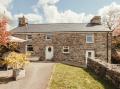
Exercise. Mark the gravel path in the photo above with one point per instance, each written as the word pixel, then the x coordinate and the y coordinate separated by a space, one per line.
pixel 37 77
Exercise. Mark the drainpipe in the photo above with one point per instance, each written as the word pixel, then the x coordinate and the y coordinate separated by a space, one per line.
pixel 107 47
pixel 108 61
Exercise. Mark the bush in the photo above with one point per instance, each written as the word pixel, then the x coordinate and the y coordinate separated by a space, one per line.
pixel 15 60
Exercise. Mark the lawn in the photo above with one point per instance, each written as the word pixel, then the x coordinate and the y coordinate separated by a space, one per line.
pixel 69 77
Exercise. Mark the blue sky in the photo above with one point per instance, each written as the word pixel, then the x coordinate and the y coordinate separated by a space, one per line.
pixel 87 6
pixel 55 11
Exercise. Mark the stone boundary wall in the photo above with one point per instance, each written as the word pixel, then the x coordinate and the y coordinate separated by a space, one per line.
pixel 105 70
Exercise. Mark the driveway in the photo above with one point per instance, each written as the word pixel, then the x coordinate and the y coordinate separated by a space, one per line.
pixel 37 77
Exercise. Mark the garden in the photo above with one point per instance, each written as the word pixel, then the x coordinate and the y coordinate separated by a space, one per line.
pixel 69 77
pixel 10 56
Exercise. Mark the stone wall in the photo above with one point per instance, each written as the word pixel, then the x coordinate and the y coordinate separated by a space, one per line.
pixel 105 70
pixel 21 45
pixel 76 42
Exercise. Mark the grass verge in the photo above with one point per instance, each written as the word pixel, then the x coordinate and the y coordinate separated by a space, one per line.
pixel 69 77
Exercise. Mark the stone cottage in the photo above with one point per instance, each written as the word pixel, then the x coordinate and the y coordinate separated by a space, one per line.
pixel 65 41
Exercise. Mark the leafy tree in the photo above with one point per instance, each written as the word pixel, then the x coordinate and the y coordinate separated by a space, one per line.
pixel 3 36
pixel 3 32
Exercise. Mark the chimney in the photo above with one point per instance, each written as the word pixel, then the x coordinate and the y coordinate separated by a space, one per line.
pixel 96 20
pixel 22 21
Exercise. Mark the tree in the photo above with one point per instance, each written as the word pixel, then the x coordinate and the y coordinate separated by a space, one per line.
pixel 111 18
pixel 3 32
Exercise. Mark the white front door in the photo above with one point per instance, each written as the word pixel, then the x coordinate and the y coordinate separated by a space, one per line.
pixel 90 54
pixel 49 52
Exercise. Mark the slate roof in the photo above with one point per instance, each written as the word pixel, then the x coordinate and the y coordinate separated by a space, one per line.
pixel 59 27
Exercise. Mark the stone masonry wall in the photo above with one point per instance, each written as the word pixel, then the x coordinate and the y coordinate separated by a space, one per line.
pixel 105 70
pixel 76 42
pixel 21 45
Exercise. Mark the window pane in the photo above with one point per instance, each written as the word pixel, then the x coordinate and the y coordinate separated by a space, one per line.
pixel 89 39
pixel 49 49
pixel 29 48
pixel 89 54
pixel 65 49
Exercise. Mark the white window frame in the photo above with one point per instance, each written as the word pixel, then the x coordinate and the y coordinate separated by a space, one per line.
pixel 92 54
pixel 89 35
pixel 28 37
pixel 66 47
pixel 49 34
pixel 27 48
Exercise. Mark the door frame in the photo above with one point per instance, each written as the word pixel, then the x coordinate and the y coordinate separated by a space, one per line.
pixel 49 56
pixel 92 55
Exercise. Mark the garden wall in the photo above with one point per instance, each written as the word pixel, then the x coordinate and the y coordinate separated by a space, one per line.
pixel 105 70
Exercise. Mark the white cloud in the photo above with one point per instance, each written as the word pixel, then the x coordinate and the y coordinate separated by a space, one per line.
pixel 4 11
pixel 53 15
pixel 35 10
pixel 4 5
pixel 32 18
pixel 113 7
pixel 5 2
pixel 48 2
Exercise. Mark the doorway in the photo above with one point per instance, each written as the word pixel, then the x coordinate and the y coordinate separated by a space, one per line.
pixel 49 53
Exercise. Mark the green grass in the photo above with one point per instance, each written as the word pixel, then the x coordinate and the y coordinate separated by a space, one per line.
pixel 69 77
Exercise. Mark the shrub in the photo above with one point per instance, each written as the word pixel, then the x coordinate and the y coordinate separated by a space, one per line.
pixel 15 60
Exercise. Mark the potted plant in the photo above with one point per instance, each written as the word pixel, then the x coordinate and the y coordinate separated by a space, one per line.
pixel 17 61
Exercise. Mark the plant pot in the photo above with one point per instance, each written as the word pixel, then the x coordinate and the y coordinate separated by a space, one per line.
pixel 18 74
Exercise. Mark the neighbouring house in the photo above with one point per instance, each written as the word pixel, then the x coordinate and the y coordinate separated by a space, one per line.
pixel 65 41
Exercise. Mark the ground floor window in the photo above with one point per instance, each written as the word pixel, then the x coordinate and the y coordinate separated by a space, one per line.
pixel 90 54
pixel 65 49
pixel 29 48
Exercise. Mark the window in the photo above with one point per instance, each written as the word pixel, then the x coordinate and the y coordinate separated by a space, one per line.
pixel 29 48
pixel 49 49
pixel 65 49
pixel 89 38
pixel 29 37
pixel 89 54
pixel 48 36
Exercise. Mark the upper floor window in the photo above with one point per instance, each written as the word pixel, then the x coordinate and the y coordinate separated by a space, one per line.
pixel 29 37
pixel 65 49
pixel 48 36
pixel 90 38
